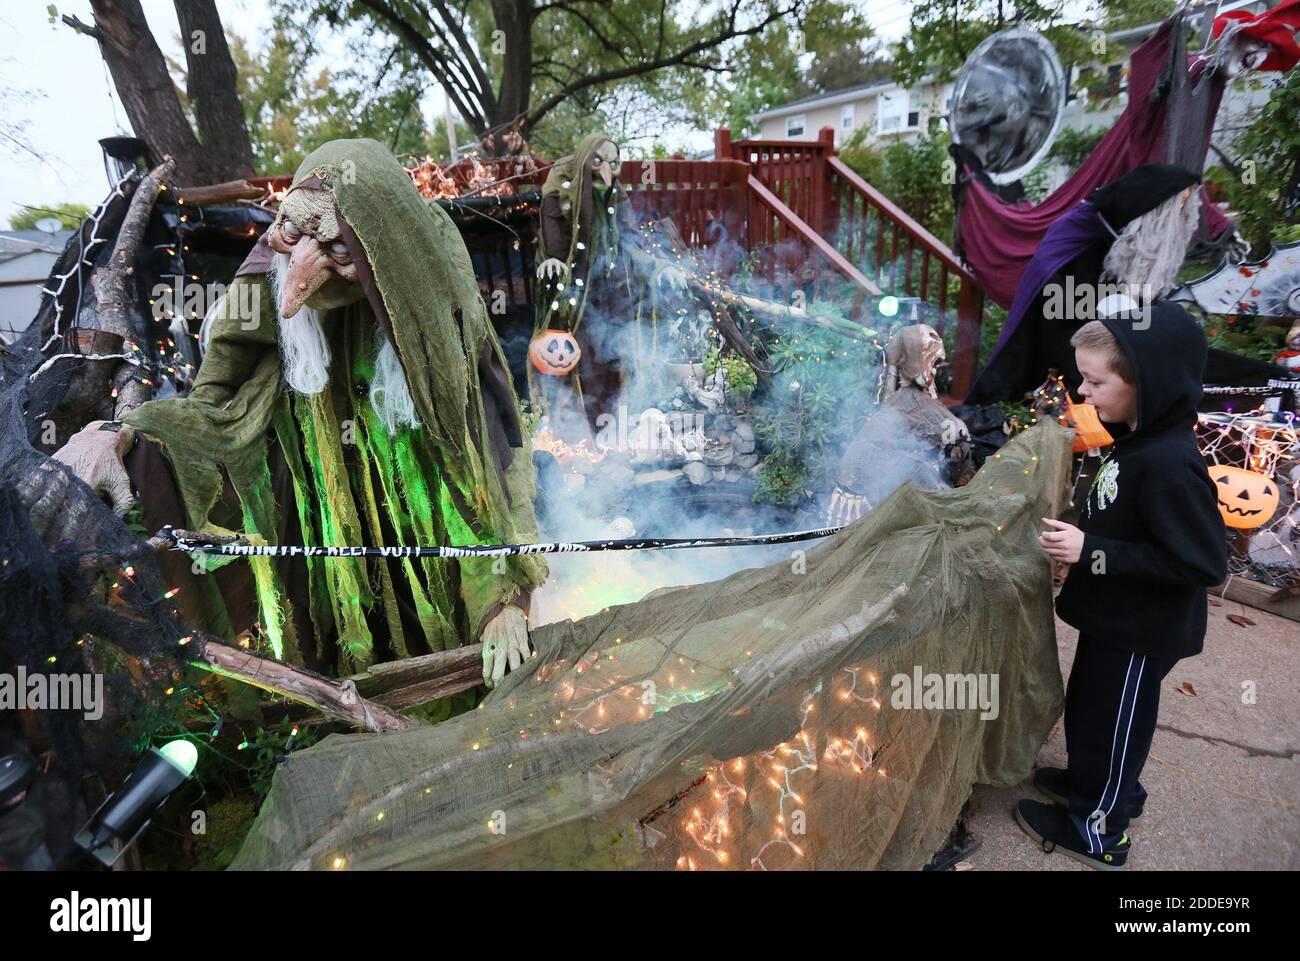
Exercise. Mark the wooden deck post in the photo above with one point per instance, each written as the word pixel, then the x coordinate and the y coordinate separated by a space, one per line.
pixel 970 302
pixel 722 144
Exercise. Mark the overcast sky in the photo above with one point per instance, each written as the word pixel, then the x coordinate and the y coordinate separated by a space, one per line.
pixel 54 80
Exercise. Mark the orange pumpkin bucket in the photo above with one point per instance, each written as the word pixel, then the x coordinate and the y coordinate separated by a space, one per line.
pixel 1088 431
pixel 554 352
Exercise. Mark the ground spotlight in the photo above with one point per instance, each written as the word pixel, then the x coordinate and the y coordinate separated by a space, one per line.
pixel 126 812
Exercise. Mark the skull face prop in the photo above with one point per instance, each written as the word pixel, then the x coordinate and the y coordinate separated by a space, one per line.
pixel 321 271
pixel 554 352
pixel 912 356
pixel 605 165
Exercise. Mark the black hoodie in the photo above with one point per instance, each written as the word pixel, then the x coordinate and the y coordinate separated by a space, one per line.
pixel 1153 536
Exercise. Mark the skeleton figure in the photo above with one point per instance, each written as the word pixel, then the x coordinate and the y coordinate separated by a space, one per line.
pixel 911 437
pixel 1289 356
pixel 364 401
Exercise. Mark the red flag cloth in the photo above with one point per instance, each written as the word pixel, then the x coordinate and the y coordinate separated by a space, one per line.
pixel 999 239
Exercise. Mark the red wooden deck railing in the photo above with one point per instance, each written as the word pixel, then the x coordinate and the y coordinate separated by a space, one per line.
pixel 809 222
pixel 704 198
pixel 868 231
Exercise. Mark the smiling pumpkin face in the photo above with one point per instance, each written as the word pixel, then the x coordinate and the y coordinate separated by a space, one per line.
pixel 1246 499
pixel 554 352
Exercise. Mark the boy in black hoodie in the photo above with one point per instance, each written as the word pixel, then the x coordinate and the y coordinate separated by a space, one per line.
pixel 1150 540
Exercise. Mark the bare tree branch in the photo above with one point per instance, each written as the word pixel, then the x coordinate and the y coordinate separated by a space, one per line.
pixel 463 97
pixel 729 32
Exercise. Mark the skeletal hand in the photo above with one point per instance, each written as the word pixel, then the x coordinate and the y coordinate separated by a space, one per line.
pixel 553 267
pixel 505 641
pixel 95 456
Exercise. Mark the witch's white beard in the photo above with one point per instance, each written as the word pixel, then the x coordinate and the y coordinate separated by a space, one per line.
pixel 306 358
pixel 390 398
pixel 1150 249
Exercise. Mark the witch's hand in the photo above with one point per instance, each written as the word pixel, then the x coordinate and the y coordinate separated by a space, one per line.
pixel 95 456
pixel 505 642
pixel 553 267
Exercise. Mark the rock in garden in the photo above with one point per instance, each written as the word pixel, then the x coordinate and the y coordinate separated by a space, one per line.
pixel 697 473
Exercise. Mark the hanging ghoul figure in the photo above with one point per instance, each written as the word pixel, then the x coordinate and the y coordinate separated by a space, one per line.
pixel 591 275
pixel 374 409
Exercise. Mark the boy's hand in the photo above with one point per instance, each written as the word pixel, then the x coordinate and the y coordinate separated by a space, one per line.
pixel 1063 544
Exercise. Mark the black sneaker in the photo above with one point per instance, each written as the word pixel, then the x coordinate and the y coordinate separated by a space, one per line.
pixel 1050 826
pixel 1054 784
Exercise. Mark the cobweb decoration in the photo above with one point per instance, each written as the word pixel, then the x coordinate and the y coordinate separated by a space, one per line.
pixel 1267 443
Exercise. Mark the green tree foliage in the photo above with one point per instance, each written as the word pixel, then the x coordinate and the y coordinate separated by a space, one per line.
pixel 1122 14
pixel 631 67
pixel 1261 181
pixel 69 215
pixel 293 103
pixel 822 389
pixel 943 33
pixel 911 173
pixel 832 46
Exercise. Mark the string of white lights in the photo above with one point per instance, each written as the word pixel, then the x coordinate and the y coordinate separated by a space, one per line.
pixel 85 247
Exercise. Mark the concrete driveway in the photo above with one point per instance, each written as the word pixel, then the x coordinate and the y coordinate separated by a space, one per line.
pixel 1223 777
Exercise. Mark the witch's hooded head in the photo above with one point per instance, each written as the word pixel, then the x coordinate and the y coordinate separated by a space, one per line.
pixel 353 226
pixel 1151 215
pixel 1139 191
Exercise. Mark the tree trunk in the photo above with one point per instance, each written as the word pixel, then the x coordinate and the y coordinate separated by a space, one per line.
pixel 514 19
pixel 211 78
pixel 147 93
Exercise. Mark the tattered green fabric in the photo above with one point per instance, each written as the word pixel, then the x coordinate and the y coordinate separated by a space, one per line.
pixel 416 481
pixel 593 232
pixel 752 722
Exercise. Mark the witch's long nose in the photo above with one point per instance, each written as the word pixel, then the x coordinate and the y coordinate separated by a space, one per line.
pixel 309 268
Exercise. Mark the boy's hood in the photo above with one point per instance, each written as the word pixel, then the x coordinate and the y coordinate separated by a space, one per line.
pixel 1168 357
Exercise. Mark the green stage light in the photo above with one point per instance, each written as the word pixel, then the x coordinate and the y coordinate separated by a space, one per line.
pixel 182 753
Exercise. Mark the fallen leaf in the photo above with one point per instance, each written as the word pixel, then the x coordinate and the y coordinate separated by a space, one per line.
pixel 1186 688
pixel 1241 619
pixel 1214 603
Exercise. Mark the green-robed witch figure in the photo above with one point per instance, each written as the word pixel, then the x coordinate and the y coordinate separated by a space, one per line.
pixel 363 400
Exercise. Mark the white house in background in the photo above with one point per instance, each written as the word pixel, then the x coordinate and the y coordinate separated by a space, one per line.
pixel 886 109
pixel 26 257
pixel 890 112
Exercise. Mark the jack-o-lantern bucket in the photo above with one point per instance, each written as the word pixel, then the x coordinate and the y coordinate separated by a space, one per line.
pixel 1088 430
pixel 554 352
pixel 1246 499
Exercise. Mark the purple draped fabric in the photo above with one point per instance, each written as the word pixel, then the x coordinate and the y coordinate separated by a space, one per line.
pixel 1068 237
pixel 999 240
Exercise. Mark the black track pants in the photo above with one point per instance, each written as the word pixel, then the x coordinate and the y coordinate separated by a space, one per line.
pixel 1111 703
